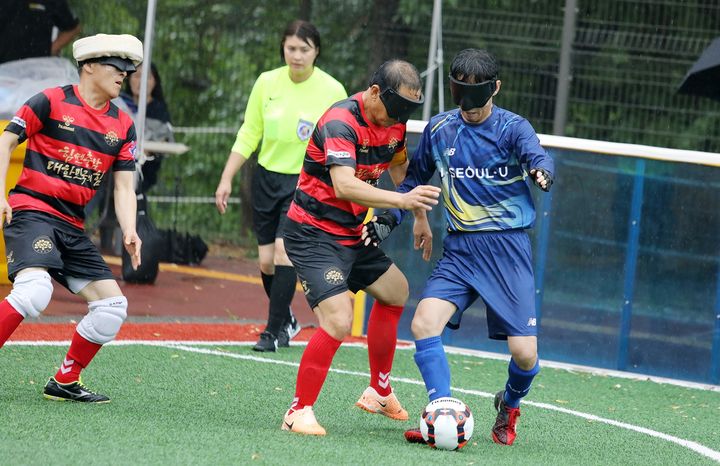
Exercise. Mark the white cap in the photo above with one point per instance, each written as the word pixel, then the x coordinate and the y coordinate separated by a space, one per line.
pixel 109 45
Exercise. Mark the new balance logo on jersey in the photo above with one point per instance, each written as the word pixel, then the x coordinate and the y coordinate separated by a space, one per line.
pixel 449 152
pixel 532 322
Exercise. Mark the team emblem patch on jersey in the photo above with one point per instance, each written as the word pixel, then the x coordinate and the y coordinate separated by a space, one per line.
pixel 42 245
pixel 133 149
pixel 334 276
pixel 304 129
pixel 111 138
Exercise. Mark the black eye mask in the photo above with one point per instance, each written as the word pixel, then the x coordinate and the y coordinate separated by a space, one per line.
pixel 122 64
pixel 398 107
pixel 469 96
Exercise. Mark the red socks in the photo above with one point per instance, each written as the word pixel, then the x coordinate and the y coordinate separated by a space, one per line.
pixel 9 321
pixel 381 340
pixel 314 367
pixel 79 355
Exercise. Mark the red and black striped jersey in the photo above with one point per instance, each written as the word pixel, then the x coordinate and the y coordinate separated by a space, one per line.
pixel 70 148
pixel 344 136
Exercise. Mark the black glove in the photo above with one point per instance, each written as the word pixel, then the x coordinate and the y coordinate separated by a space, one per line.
pixel 548 178
pixel 380 228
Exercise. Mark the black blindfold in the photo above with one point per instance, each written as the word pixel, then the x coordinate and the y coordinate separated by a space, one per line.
pixel 398 107
pixel 469 96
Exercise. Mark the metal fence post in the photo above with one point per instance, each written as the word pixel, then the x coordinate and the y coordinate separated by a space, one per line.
pixel 631 256
pixel 541 255
pixel 564 77
pixel 715 358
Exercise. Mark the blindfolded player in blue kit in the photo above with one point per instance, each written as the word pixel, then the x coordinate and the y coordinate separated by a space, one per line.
pixel 483 155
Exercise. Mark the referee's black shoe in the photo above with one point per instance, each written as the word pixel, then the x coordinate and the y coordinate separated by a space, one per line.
pixel 267 343
pixel 75 391
pixel 288 332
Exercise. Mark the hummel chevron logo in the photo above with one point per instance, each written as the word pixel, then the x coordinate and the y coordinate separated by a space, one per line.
pixel 66 366
pixel 384 379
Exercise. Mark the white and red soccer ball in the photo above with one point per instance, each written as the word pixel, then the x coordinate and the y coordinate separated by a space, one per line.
pixel 447 424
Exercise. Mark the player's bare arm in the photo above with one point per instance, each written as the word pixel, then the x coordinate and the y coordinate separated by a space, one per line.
pixel 397 172
pixel 126 211
pixel 64 38
pixel 8 143
pixel 350 188
pixel 422 234
pixel 222 193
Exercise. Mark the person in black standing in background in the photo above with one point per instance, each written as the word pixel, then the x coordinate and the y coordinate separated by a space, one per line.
pixel 27 28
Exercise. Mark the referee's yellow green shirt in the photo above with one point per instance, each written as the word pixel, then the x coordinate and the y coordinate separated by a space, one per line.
pixel 282 114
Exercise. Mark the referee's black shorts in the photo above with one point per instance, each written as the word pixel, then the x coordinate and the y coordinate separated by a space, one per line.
pixel 326 268
pixel 272 193
pixel 37 239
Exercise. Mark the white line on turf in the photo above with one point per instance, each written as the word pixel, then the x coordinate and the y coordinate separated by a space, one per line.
pixel 694 446
pixel 183 346
pixel 409 346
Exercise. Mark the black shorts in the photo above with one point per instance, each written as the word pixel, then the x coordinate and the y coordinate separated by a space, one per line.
pixel 36 239
pixel 271 196
pixel 326 268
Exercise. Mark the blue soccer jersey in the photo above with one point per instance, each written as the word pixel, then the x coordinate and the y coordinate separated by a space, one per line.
pixel 482 168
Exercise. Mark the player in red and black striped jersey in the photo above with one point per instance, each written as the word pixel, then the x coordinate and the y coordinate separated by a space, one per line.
pixel 71 146
pixel 354 142
pixel 75 136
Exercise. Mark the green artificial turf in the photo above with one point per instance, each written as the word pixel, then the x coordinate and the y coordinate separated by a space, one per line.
pixel 172 406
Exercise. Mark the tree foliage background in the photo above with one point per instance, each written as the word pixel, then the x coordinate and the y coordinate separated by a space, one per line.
pixel 627 61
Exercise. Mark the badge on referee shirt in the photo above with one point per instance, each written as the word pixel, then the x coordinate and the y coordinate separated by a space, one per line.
pixel 304 129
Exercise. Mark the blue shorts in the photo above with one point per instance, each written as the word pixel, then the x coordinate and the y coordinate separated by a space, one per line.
pixel 493 266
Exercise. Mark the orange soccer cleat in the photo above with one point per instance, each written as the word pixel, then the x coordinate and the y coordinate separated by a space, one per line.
pixel 388 406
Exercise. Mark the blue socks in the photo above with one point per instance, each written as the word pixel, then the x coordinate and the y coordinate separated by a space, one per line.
pixel 518 383
pixel 432 362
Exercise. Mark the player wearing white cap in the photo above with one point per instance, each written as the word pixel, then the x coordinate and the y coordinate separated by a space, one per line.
pixel 75 136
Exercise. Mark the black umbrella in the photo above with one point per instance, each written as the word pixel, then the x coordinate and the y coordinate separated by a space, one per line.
pixel 703 79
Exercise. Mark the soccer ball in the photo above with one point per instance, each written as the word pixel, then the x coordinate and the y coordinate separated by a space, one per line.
pixel 446 423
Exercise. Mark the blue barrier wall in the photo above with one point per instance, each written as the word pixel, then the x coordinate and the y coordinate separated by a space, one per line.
pixel 627 260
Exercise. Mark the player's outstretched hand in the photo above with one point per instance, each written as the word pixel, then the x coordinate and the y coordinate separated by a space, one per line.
pixel 542 178
pixel 5 212
pixel 421 197
pixel 422 235
pixel 379 228
pixel 222 194
pixel 133 243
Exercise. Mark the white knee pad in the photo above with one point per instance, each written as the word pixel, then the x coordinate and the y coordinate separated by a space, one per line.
pixel 104 320
pixel 31 293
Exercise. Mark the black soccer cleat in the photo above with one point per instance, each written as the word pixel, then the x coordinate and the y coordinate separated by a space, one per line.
pixel 283 339
pixel 289 331
pixel 293 326
pixel 75 391
pixel 267 343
